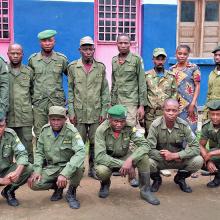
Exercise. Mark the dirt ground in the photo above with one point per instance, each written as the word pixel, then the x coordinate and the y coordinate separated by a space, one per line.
pixel 123 203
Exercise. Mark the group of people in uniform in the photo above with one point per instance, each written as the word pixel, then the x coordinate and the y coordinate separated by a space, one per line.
pixel 32 96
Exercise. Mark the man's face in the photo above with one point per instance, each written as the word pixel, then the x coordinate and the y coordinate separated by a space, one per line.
pixel 123 44
pixel 47 45
pixel 215 117
pixel 15 55
pixel 117 124
pixel 2 128
pixel 57 122
pixel 217 57
pixel 170 112
pixel 159 61
pixel 87 52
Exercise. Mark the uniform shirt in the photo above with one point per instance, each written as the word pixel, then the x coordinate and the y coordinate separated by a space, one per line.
pixel 208 133
pixel 20 106
pixel 180 139
pixel 4 86
pixel 48 75
pixel 128 85
pixel 88 93
pixel 66 150
pixel 159 88
pixel 10 147
pixel 109 150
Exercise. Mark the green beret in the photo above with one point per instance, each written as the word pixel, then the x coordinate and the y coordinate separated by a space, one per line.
pixel 213 105
pixel 46 34
pixel 57 110
pixel 216 49
pixel 118 112
pixel 2 116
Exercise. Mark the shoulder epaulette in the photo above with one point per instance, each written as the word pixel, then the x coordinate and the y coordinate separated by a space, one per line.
pixel 206 122
pixel 2 58
pixel 181 121
pixel 72 63
pixel 60 54
pixel 70 127
pixel 157 121
pixel 11 131
pixel 32 55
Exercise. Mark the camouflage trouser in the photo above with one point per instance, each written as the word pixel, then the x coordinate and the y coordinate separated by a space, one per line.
pixel 104 173
pixel 49 180
pixel 25 136
pixel 193 164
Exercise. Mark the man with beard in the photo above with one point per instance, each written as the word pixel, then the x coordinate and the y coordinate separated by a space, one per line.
pixel 161 85
pixel 48 67
pixel 20 115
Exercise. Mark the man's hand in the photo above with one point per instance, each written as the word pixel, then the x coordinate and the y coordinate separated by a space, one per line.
pixel 211 167
pixel 140 112
pixel 13 176
pixel 61 181
pixel 101 119
pixel 207 157
pixel 33 178
pixel 167 155
pixel 5 181
pixel 126 168
pixel 73 119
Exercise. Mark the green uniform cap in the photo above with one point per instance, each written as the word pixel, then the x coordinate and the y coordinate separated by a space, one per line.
pixel 118 111
pixel 214 105
pixel 46 34
pixel 159 51
pixel 216 49
pixel 86 40
pixel 57 110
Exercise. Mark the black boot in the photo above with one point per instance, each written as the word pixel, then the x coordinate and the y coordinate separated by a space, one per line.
pixel 71 198
pixel 157 181
pixel 57 194
pixel 134 182
pixel 180 180
pixel 91 172
pixel 215 182
pixel 9 194
pixel 145 192
pixel 104 189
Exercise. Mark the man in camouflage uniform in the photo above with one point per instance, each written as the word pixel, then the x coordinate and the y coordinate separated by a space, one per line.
pixel 173 146
pixel 112 152
pixel 88 95
pixel 161 85
pixel 20 115
pixel 62 147
pixel 12 174
pixel 48 67
pixel 211 133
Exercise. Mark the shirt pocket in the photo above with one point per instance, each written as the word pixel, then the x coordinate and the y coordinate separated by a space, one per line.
pixel 66 152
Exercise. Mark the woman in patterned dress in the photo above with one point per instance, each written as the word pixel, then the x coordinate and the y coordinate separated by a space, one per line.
pixel 188 81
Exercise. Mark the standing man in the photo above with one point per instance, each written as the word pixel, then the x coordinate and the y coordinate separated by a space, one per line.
pixel 161 85
pixel 63 149
pixel 128 84
pixel 173 146
pixel 20 115
pixel 4 86
pixel 211 133
pixel 88 95
pixel 112 151
pixel 48 67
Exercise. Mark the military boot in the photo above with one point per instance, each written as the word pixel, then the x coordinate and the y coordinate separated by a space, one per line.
pixel 145 192
pixel 180 180
pixel 57 194
pixel 71 198
pixel 91 172
pixel 157 181
pixel 104 189
pixel 215 182
pixel 9 194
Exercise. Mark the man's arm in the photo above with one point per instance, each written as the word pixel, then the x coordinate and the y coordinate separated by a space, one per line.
pixel 174 89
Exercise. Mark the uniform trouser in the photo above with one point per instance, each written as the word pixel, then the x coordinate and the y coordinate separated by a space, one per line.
pixel 192 165
pixel 104 173
pixel 49 180
pixel 25 136
pixel 131 114
pixel 22 179
pixel 215 160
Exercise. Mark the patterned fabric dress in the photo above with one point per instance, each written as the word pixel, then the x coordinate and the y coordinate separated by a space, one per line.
pixel 186 79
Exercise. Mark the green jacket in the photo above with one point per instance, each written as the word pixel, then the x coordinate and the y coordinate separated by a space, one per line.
pixel 67 150
pixel 213 86
pixel 110 151
pixel 48 76
pixel 159 89
pixel 20 91
pixel 128 84
pixel 88 93
pixel 10 147
pixel 181 139
pixel 4 86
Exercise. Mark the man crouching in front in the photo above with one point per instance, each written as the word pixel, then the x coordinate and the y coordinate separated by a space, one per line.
pixel 112 152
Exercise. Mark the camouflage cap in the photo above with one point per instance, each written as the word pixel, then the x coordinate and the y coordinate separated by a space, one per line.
pixel 159 51
pixel 213 105
pixel 86 40
pixel 118 112
pixel 46 34
pixel 216 49
pixel 57 110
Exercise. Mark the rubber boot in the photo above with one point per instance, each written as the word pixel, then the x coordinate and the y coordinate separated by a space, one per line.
pixel 71 198
pixel 9 194
pixel 104 189
pixel 145 192
pixel 91 172
pixel 215 182
pixel 57 194
pixel 180 180
pixel 157 181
